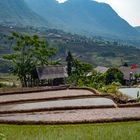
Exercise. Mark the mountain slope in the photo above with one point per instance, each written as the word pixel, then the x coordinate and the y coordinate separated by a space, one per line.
pixel 84 17
pixel 138 28
pixel 48 9
pixel 16 12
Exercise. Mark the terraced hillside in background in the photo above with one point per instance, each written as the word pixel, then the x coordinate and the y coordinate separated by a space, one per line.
pixel 92 50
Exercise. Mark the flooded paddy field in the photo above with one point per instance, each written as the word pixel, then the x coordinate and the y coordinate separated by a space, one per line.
pixel 59 103
pixel 131 92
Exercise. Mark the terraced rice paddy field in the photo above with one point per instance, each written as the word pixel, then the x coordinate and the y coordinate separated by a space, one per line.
pixel 69 107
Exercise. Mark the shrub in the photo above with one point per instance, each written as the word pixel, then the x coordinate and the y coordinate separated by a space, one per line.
pixel 2 85
pixel 113 75
pixel 112 88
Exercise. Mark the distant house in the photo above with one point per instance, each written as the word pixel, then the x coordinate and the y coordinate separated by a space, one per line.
pixel 101 69
pixel 54 75
pixel 129 73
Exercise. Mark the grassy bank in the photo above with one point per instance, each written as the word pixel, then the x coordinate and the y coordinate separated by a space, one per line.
pixel 110 131
pixel 8 80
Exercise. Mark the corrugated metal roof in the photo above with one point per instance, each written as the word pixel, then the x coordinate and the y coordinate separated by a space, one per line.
pixel 51 72
pixel 127 70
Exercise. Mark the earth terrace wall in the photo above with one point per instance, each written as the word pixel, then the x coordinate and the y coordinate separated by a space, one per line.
pixel 57 109
pixel 43 89
pixel 124 119
pixel 69 108
pixel 30 90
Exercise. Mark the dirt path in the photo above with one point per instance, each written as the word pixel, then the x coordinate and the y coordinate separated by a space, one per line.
pixel 74 116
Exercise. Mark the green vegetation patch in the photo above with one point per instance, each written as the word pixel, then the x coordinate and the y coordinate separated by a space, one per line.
pixel 106 131
pixel 8 80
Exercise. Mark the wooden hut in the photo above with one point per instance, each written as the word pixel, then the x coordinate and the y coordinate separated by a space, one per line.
pixel 50 75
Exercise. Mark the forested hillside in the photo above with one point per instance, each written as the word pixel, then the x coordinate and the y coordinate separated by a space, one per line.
pixel 96 51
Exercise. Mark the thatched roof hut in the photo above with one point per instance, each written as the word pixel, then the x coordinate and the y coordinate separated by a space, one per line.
pixel 50 72
pixel 49 75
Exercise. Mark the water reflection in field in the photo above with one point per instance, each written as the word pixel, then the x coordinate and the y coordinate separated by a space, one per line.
pixel 132 92
pixel 60 103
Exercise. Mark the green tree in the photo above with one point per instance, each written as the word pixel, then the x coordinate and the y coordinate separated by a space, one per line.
pixel 69 60
pixel 125 64
pixel 79 72
pixel 28 52
pixel 80 68
pixel 113 75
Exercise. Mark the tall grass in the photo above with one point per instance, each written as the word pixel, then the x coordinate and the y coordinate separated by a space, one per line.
pixel 110 131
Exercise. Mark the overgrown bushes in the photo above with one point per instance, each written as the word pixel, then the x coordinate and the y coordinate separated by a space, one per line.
pixel 107 82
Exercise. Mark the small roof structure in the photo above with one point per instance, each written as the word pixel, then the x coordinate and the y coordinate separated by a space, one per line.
pixel 51 72
pixel 127 71
pixel 101 69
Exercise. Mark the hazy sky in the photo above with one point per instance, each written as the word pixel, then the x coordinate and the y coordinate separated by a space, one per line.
pixel 127 9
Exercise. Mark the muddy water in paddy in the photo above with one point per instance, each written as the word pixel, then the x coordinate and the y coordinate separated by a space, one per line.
pixel 131 92
pixel 59 103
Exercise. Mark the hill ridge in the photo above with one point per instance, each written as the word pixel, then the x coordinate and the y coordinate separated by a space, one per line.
pixel 84 17
pixel 17 12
